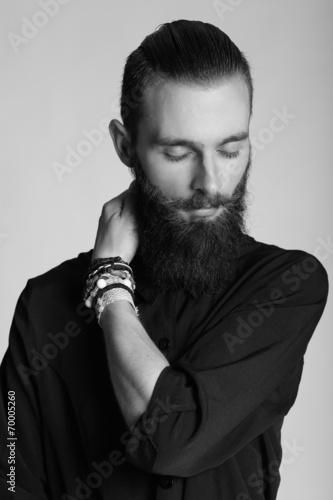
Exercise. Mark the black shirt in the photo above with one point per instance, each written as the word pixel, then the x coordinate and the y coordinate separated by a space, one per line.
pixel 213 425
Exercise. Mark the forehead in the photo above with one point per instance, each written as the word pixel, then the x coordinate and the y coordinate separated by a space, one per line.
pixel 195 112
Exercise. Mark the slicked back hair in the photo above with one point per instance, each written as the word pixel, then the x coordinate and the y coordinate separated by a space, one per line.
pixel 183 51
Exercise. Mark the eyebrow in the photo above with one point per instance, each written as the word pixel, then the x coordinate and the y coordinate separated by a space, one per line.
pixel 174 141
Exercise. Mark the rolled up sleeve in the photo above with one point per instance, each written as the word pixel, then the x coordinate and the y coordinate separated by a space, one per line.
pixel 239 378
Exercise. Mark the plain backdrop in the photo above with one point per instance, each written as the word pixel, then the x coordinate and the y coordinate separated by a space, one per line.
pixel 61 79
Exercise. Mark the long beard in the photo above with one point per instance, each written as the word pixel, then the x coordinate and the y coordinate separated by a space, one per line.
pixel 198 256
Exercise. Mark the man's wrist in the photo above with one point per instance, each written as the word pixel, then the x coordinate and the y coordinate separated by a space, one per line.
pixel 119 306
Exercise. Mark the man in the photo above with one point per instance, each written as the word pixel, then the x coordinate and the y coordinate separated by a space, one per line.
pixel 186 400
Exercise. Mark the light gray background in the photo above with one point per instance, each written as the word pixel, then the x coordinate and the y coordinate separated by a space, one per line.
pixel 66 78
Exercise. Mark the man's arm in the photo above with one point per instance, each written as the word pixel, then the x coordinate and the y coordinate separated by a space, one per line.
pixel 135 362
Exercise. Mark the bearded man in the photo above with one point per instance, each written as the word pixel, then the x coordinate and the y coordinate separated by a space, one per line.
pixel 172 378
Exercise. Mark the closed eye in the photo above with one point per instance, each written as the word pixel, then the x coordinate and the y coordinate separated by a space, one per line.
pixel 225 154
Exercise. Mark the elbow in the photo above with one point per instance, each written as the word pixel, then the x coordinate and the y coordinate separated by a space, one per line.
pixel 165 447
pixel 166 460
pixel 169 437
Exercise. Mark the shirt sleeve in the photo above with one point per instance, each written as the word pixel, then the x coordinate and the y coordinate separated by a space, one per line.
pixel 17 375
pixel 239 378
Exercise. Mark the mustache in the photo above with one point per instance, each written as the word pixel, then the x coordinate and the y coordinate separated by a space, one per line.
pixel 198 201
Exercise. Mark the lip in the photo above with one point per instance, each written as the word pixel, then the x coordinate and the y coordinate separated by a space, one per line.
pixel 205 212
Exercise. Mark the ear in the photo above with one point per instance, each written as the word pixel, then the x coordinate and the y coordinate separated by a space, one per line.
pixel 121 141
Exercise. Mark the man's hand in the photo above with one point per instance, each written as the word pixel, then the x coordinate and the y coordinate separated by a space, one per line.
pixel 116 234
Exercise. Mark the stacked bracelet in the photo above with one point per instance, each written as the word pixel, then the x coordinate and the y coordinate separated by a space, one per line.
pixel 108 280
pixel 113 265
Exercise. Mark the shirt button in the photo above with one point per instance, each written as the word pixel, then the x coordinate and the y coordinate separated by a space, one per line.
pixel 166 482
pixel 164 344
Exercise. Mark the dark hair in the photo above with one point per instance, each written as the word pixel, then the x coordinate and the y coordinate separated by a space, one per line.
pixel 182 51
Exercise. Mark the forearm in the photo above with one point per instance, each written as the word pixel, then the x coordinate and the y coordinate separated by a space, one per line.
pixel 135 362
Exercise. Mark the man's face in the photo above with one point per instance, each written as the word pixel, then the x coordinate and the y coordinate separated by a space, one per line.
pixel 195 140
pixel 191 163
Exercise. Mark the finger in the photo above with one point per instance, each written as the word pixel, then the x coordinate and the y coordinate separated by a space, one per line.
pixel 128 207
pixel 115 204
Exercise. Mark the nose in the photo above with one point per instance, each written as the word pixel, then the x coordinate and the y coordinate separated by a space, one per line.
pixel 205 177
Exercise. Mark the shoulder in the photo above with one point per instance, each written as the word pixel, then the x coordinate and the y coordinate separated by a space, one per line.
pixel 294 271
pixel 53 298
pixel 66 275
